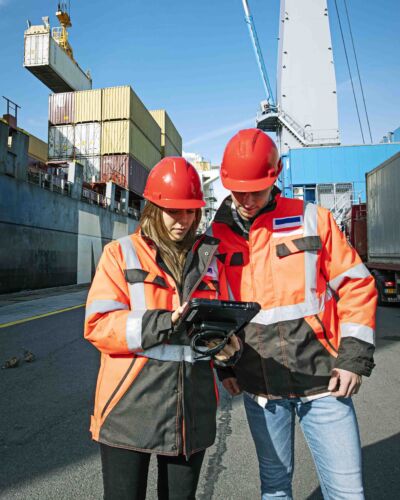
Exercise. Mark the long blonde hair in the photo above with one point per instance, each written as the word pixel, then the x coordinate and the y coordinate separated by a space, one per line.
pixel 173 253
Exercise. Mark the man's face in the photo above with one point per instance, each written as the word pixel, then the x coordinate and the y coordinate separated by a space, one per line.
pixel 249 204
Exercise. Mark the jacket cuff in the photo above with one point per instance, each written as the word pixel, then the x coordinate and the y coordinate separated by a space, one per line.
pixel 156 327
pixel 356 356
pixel 224 373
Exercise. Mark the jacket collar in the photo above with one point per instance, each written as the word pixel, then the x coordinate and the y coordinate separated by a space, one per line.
pixel 224 213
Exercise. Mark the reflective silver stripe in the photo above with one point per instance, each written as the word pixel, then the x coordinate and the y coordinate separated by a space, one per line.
pixel 358 271
pixel 312 303
pixel 169 352
pixel 134 330
pixel 136 290
pixel 230 293
pixel 311 257
pixel 104 306
pixel 358 331
pixel 287 313
pixel 137 297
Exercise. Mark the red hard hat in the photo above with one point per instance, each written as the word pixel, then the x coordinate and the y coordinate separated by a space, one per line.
pixel 174 183
pixel 251 162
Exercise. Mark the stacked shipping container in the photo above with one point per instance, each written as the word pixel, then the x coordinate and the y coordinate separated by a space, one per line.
pixel 109 131
pixel 171 141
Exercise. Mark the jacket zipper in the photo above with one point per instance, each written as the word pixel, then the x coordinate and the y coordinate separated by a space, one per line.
pixel 325 334
pixel 180 416
pixel 118 387
pixel 202 274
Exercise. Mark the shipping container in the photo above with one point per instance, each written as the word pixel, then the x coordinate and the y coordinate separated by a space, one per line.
pixel 61 108
pixel 383 209
pixel 50 63
pixel 322 165
pixel 124 137
pixel 91 168
pixel 168 130
pixel 87 139
pixel 37 149
pixel 168 149
pixel 124 170
pixel 88 106
pixel 61 141
pixel 355 228
pixel 121 103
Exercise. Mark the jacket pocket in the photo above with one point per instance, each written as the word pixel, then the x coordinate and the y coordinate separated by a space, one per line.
pixel 289 267
pixel 133 276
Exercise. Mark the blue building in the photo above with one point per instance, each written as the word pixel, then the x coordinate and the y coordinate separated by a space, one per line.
pixel 308 169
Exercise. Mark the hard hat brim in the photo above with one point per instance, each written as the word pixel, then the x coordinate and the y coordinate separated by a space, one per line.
pixel 181 204
pixel 247 186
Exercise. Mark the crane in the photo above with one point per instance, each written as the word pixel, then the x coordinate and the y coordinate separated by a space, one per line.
pixel 60 33
pixel 258 53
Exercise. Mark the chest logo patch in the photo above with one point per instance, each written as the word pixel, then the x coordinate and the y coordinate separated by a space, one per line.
pixel 286 222
pixel 211 272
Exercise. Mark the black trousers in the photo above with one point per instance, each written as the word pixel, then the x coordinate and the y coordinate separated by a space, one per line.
pixel 125 474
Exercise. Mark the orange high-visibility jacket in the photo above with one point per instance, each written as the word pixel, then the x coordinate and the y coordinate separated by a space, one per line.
pixel 317 298
pixel 151 395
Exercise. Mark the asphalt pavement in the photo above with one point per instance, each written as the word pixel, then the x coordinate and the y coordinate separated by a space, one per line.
pixel 45 404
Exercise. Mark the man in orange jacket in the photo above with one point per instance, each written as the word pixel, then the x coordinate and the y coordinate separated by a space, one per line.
pixel 307 349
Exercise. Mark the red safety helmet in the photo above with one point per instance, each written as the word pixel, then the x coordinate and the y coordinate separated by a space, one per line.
pixel 251 162
pixel 174 183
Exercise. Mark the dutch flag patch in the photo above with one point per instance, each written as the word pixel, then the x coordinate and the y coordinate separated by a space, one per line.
pixel 286 222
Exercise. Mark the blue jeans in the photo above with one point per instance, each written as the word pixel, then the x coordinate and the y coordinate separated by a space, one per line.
pixel 331 431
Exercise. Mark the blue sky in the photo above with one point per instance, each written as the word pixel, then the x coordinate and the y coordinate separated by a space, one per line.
pixel 195 59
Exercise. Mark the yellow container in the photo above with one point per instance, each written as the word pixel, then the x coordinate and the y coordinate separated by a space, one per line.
pixel 168 129
pixel 124 137
pixel 88 106
pixel 37 149
pixel 121 103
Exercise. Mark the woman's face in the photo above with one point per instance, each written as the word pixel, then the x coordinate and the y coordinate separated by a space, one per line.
pixel 178 222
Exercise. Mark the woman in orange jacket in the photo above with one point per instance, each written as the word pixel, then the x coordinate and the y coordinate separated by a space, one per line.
pixel 152 394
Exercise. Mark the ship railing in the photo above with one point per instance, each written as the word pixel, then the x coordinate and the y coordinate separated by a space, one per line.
pixel 50 182
pixel 93 197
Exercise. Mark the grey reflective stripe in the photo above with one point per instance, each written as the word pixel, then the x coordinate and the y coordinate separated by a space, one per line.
pixel 311 257
pixel 136 290
pixel 209 231
pixel 134 330
pixel 170 352
pixel 104 306
pixel 137 297
pixel 312 303
pixel 361 332
pixel 359 271
pixel 287 313
pixel 230 293
pixel 162 352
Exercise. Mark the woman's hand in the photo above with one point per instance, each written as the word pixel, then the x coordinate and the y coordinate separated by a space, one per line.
pixel 232 347
pixel 178 313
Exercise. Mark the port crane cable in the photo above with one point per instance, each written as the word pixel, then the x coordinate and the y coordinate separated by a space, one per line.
pixel 258 53
pixel 358 70
pixel 348 67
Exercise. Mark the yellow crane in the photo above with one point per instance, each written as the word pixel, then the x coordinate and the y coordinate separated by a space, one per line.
pixel 60 33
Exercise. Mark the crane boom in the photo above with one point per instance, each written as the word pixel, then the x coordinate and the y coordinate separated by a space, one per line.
pixel 258 53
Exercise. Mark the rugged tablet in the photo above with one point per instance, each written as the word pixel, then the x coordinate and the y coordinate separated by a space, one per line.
pixel 226 314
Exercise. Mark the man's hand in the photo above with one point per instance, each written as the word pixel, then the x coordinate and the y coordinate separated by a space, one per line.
pixel 228 351
pixel 344 383
pixel 231 385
